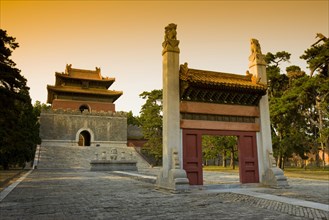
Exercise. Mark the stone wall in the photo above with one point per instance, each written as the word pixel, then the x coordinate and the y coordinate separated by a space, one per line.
pixel 62 128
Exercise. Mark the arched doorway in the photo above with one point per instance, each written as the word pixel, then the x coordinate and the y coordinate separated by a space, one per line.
pixel 84 107
pixel 84 138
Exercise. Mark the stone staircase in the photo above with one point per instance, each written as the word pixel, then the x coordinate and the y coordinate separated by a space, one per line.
pixel 78 157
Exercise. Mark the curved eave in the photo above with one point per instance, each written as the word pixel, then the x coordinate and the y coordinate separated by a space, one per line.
pixel 211 79
pixel 94 92
pixel 217 87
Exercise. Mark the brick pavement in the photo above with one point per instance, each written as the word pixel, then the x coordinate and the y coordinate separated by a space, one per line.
pixel 304 189
pixel 79 194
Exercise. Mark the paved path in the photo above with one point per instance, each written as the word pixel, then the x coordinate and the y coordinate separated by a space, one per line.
pixel 305 189
pixel 69 194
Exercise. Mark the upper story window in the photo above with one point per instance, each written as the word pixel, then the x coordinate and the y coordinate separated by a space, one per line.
pixel 83 108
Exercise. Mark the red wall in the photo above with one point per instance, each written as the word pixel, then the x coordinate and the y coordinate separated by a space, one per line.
pixel 75 105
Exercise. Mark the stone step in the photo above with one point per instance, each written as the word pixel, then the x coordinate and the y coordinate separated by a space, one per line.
pixel 77 157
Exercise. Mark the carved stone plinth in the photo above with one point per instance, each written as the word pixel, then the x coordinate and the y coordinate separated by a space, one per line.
pixel 176 180
pixel 113 165
pixel 275 178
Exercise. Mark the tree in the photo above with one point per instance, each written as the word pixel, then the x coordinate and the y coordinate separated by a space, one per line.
pixel 287 121
pixel 151 122
pixel 299 103
pixel 288 125
pixel 317 58
pixel 133 120
pixel 277 82
pixel 19 128
pixel 277 85
pixel 214 146
pixel 38 107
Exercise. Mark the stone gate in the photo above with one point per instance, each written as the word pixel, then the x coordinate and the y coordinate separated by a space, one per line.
pixel 199 102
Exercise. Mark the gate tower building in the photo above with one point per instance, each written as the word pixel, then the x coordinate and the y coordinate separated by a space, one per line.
pixel 82 111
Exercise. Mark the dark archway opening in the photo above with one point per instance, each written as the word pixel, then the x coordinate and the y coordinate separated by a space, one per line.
pixel 84 138
pixel 83 108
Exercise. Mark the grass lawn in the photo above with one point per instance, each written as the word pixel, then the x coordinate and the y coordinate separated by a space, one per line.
pixel 221 169
pixel 309 173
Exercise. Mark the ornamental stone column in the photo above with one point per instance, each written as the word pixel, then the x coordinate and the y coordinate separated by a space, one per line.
pixel 270 174
pixel 171 176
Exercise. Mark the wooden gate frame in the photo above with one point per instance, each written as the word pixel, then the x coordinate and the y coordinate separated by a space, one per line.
pixel 249 170
pixel 247 150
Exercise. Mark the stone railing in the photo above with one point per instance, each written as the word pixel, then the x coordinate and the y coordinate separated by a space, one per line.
pixel 119 161
pixel 115 155
pixel 77 112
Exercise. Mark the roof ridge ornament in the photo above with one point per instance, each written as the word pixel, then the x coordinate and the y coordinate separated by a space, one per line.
pixel 184 68
pixel 170 43
pixel 68 69
pixel 252 78
pixel 256 56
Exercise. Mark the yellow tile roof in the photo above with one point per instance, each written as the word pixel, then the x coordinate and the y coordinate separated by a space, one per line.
pixel 84 77
pixel 92 91
pixel 211 78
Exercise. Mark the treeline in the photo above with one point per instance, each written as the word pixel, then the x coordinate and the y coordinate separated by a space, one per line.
pixel 150 121
pixel 298 101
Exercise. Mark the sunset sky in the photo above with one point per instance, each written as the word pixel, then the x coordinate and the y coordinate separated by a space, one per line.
pixel 124 38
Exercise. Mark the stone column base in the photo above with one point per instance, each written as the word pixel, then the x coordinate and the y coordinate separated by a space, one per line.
pixel 176 180
pixel 274 177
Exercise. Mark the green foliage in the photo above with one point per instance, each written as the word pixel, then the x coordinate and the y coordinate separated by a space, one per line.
pixel 277 58
pixel 277 82
pixel 151 122
pixel 292 134
pixel 19 128
pixel 299 103
pixel 287 121
pixel 38 107
pixel 317 56
pixel 317 88
pixel 211 146
pixel 133 120
pixel 214 146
